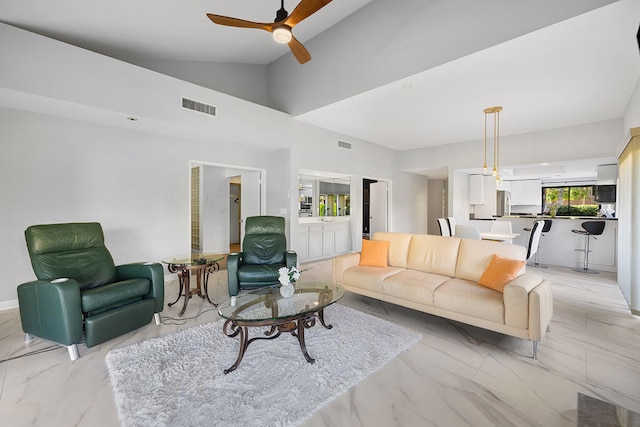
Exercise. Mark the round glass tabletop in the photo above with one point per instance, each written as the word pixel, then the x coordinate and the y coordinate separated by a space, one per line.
pixel 267 303
pixel 193 259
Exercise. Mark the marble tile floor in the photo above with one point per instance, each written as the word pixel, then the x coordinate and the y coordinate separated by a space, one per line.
pixel 457 375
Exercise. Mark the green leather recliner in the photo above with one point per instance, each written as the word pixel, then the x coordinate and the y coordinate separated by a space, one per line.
pixel 79 288
pixel 264 251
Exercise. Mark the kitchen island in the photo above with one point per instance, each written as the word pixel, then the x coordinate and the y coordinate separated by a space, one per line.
pixel 558 246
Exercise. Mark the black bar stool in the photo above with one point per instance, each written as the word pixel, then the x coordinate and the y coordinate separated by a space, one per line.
pixel 590 229
pixel 545 228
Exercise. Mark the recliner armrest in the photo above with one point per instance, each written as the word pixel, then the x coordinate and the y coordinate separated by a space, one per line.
pixel 152 271
pixel 234 261
pixel 291 259
pixel 51 310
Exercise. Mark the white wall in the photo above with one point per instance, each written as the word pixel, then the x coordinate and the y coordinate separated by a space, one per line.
pixel 278 188
pixel 412 217
pixel 632 112
pixel 437 204
pixel 69 154
pixel 214 208
pixel 136 184
pixel 246 81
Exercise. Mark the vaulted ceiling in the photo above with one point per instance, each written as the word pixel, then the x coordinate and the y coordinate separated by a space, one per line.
pixel 403 74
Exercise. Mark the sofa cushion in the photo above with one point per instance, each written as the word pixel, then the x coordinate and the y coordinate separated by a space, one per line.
pixel 412 285
pixel 474 256
pixel 433 254
pixel 471 299
pixel 398 247
pixel 374 253
pixel 113 294
pixel 500 271
pixel 370 278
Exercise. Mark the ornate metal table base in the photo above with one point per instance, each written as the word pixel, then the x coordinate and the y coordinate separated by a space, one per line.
pixel 296 326
pixel 202 277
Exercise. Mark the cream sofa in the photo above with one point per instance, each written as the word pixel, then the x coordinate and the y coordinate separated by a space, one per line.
pixel 439 275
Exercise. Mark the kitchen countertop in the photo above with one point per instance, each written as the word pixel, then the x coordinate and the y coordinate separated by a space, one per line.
pixel 595 218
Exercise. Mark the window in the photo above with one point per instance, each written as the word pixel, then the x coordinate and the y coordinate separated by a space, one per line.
pixel 570 200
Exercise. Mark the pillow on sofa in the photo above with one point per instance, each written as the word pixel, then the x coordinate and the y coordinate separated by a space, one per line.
pixel 500 271
pixel 374 253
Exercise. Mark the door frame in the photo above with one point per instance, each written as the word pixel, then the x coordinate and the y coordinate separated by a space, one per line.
pixel 389 200
pixel 232 168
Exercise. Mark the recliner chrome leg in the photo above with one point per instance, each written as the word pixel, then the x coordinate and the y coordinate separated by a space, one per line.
pixel 156 317
pixel 535 350
pixel 74 354
pixel 28 338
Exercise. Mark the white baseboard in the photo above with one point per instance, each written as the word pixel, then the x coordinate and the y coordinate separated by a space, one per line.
pixel 8 305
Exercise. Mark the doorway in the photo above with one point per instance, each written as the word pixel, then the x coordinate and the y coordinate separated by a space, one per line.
pixel 375 207
pixel 221 198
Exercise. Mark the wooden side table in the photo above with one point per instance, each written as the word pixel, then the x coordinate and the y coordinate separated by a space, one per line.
pixel 198 264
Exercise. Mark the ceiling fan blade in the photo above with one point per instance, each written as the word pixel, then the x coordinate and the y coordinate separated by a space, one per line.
pixel 299 51
pixel 235 22
pixel 305 9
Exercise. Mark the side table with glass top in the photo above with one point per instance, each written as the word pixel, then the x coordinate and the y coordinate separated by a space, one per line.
pixel 266 307
pixel 198 264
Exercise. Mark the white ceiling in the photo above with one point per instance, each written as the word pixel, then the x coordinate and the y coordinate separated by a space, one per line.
pixel 577 71
pixel 168 29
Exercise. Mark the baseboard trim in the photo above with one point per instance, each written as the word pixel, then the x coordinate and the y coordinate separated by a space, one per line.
pixel 8 305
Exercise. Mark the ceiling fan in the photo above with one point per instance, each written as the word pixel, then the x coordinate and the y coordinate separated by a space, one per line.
pixel 282 26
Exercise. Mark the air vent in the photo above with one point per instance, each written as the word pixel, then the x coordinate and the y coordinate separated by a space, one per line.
pixel 346 145
pixel 201 107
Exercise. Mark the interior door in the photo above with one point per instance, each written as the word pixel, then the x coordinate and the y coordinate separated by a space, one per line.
pixel 249 197
pixel 378 205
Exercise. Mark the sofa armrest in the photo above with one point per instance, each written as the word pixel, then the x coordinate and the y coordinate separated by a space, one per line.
pixel 516 299
pixel 51 310
pixel 342 263
pixel 540 310
pixel 233 263
pixel 152 271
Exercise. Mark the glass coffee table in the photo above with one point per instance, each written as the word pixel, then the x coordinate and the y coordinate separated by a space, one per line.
pixel 201 265
pixel 265 307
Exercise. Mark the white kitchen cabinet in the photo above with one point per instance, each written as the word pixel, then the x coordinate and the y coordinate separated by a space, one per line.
pixel 526 192
pixel 504 186
pixel 322 240
pixel 341 240
pixel 476 190
pixel 315 241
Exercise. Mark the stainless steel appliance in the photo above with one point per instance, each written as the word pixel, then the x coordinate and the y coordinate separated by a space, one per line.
pixel 503 203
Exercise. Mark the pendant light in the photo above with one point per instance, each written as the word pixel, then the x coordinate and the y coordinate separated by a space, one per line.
pixel 495 111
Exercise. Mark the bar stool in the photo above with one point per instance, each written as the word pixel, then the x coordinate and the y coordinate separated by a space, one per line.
pixel 444 227
pixel 590 228
pixel 545 229
pixel 452 225
pixel 534 239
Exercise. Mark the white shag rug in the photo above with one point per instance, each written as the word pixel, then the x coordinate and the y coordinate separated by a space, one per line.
pixel 178 380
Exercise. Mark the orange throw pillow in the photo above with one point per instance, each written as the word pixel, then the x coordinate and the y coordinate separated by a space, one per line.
pixel 500 271
pixel 374 253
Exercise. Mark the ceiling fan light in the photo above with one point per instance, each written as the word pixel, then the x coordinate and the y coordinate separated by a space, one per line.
pixel 282 34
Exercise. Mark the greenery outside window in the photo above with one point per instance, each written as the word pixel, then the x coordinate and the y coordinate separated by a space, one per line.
pixel 570 201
